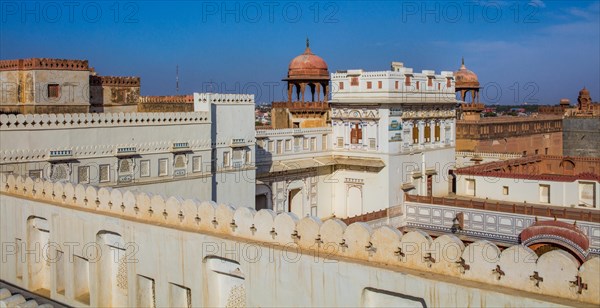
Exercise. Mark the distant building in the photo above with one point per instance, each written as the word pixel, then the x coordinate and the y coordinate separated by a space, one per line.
pixel 44 86
pixel 560 109
pixel 41 85
pixel 504 134
pixel 581 127
pixel 554 180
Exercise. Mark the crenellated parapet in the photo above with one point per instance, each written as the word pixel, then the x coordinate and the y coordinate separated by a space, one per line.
pixel 166 99
pixel 80 120
pixel 114 81
pixel 44 64
pixel 555 273
pixel 263 133
pixel 221 98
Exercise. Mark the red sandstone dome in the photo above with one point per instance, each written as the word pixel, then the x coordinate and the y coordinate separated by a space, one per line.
pixel 308 65
pixel 560 233
pixel 584 91
pixel 465 78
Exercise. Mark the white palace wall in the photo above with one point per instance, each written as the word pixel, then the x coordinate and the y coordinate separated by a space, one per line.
pixel 203 154
pixel 171 251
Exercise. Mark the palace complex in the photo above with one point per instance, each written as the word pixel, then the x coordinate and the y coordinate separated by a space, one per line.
pixel 371 188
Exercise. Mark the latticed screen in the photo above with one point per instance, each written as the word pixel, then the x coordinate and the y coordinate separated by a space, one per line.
pixel 197 163
pixel 162 167
pixel 144 168
pixel 83 174
pixel 104 173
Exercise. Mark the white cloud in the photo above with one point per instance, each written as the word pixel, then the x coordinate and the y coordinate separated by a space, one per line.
pixel 538 3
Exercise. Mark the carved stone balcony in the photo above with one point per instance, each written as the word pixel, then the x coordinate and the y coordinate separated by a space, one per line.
pixel 302 106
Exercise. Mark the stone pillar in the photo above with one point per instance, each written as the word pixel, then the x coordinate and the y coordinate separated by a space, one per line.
pixel 318 91
pixel 302 88
pixel 442 131
pixel 421 132
pixel 297 91
pixel 452 132
pixel 290 88
pixel 432 131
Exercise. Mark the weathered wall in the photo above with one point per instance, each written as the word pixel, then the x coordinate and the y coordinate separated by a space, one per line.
pixel 280 118
pixel 26 91
pixel 177 251
pixel 516 144
pixel 581 136
pixel 114 94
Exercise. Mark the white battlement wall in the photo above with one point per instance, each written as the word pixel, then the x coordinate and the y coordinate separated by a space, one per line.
pixel 172 250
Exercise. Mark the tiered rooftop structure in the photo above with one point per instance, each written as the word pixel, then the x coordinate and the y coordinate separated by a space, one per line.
pixel 305 72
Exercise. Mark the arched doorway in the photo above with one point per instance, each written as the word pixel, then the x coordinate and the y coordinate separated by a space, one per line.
pixel 354 201
pixel 296 198
pixel 452 182
pixel 263 197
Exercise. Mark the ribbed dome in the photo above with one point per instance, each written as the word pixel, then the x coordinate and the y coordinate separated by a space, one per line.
pixel 308 65
pixel 465 78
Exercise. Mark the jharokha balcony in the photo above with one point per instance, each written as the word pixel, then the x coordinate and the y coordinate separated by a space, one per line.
pixel 302 106
pixel 472 106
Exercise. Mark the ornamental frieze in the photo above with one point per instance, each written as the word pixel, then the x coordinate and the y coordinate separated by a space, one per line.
pixel 355 113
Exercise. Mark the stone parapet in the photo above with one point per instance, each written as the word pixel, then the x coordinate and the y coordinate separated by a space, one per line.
pixel 114 81
pixel 220 98
pixel 262 133
pixel 75 120
pixel 302 106
pixel 490 155
pixel 555 273
pixel 166 99
pixel 524 208
pixel 533 168
pixel 44 64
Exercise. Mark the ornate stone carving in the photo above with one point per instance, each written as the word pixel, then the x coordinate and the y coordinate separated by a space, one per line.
pixel 60 172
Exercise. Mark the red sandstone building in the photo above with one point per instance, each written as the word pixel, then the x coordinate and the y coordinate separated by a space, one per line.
pixel 520 135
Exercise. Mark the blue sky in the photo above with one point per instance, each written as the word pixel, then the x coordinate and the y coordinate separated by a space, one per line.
pixel 537 51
